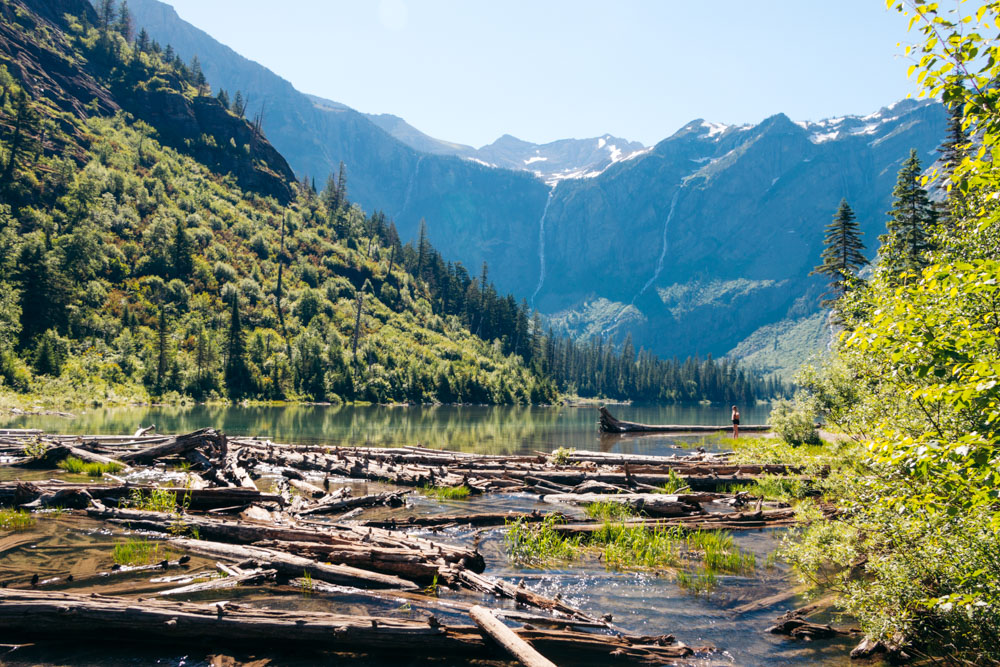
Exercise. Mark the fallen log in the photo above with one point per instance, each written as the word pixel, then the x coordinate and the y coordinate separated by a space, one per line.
pixel 176 445
pixel 519 649
pixel 484 519
pixel 388 499
pixel 412 564
pixel 291 565
pixel 654 504
pixel 246 578
pixel 608 424
pixel 32 615
pixel 19 493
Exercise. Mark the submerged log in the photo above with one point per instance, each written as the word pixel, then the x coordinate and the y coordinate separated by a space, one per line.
pixel 609 424
pixel 519 649
pixel 483 519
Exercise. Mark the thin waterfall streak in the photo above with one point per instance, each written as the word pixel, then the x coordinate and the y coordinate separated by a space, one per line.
pixel 409 188
pixel 541 247
pixel 663 250
pixel 659 263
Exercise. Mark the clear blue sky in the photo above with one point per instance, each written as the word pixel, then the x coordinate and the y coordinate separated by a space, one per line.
pixel 471 70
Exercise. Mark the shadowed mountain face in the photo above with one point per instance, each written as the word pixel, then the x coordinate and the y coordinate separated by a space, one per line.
pixel 693 245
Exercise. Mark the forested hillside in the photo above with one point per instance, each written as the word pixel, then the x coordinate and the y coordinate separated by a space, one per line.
pixel 153 243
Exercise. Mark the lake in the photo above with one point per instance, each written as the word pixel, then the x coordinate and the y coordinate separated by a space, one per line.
pixel 473 428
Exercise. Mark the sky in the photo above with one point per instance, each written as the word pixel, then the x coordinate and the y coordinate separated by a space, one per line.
pixel 470 71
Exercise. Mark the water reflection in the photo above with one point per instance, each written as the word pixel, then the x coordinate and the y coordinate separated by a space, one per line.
pixel 486 429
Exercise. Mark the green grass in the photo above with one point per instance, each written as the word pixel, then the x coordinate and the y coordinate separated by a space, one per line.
pixel 636 547
pixel 446 492
pixel 137 552
pixel 697 583
pixel 306 583
pixel 777 487
pixel 560 457
pixel 16 520
pixel 607 510
pixel 539 545
pixel 79 467
pixel 152 500
pixel 674 483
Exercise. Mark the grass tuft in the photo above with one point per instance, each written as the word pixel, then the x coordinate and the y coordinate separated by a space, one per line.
pixel 16 520
pixel 607 510
pixel 674 484
pixel 79 467
pixel 539 545
pixel 137 552
pixel 152 500
pixel 446 492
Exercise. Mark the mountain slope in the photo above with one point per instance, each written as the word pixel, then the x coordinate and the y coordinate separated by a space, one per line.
pixel 474 213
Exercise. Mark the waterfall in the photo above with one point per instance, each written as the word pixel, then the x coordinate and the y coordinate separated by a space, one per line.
pixel 409 187
pixel 663 250
pixel 659 261
pixel 541 246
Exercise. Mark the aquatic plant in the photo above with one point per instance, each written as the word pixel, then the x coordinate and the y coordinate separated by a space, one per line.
pixel 35 449
pixel 16 520
pixel 607 510
pixel 698 583
pixel 674 483
pixel 777 487
pixel 630 547
pixel 79 467
pixel 446 492
pixel 152 500
pixel 137 552
pixel 540 544
pixel 306 583
pixel 560 457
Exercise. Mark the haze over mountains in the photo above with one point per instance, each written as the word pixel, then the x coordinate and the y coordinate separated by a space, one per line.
pixel 702 243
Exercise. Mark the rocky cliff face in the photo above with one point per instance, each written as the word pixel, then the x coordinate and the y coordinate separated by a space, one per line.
pixel 93 86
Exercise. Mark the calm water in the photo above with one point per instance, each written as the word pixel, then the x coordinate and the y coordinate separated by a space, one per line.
pixel 483 429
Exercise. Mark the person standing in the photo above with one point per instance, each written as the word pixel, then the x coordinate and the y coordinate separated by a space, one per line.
pixel 736 422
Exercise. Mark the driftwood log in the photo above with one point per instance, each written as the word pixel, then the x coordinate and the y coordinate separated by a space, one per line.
pixel 609 424
pixel 27 615
pixel 518 649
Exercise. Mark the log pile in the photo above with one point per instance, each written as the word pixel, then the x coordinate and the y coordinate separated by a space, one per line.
pixel 285 534
pixel 608 424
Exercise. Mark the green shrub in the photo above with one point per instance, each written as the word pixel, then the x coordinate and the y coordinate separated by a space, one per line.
pixel 795 421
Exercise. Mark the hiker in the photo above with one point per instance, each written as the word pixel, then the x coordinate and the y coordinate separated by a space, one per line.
pixel 736 422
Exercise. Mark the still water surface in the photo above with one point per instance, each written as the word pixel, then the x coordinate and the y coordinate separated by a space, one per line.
pixel 485 429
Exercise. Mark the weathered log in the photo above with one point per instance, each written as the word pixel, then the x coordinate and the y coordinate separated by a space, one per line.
pixel 305 488
pixel 27 615
pixel 53 455
pixel 798 628
pixel 418 565
pixel 176 445
pixel 519 649
pixel 388 499
pixel 654 504
pixel 484 519
pixel 293 566
pixel 223 583
pixel 609 424
pixel 193 498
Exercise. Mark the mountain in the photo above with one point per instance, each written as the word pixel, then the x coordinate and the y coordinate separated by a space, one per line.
pixel 551 162
pixel 696 244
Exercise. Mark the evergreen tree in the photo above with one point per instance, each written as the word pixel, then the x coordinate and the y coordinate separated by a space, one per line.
pixel 239 104
pixel 182 260
pixel 237 374
pixel 911 220
pixel 197 76
pixel 953 151
pixel 105 14
pixel 341 199
pixel 142 40
pixel 161 352
pixel 843 254
pixel 124 22
pixel 223 97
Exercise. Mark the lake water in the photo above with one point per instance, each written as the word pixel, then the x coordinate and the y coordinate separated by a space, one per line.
pixel 473 428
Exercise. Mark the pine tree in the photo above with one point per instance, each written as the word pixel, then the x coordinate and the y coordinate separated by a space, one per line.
pixel 105 14
pixel 911 219
pixel 341 198
pixel 182 260
pixel 198 76
pixel 142 40
pixel 124 23
pixel 223 97
pixel 237 373
pixel 843 254
pixel 954 149
pixel 239 104
pixel 161 352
